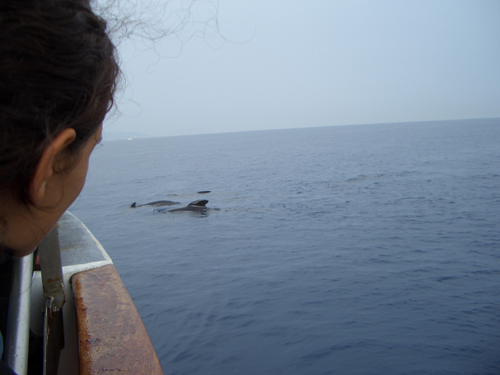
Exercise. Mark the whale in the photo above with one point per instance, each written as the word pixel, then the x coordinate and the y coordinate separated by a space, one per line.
pixel 204 192
pixel 155 204
pixel 195 206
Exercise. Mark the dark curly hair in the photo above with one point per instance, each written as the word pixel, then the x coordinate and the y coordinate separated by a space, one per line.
pixel 58 70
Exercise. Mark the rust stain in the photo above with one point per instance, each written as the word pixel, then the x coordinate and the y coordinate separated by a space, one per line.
pixel 56 280
pixel 112 336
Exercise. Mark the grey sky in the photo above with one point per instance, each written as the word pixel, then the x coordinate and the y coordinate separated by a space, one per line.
pixel 318 63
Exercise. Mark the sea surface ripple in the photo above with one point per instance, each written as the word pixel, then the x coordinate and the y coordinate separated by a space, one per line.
pixel 371 249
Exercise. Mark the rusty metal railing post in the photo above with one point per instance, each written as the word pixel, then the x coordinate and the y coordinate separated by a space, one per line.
pixel 53 291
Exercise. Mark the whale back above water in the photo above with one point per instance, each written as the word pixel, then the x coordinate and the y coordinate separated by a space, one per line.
pixel 195 206
pixel 155 204
pixel 198 203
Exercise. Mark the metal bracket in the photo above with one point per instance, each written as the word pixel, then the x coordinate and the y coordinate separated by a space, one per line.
pixel 53 291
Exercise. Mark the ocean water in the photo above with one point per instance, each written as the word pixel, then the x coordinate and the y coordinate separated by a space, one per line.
pixel 370 249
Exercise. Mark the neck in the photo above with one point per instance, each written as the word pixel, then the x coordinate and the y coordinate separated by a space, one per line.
pixel 19 229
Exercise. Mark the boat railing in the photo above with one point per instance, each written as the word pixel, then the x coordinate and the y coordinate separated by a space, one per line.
pixel 101 330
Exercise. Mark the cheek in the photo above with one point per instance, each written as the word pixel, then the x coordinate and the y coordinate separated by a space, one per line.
pixel 79 175
pixel 82 176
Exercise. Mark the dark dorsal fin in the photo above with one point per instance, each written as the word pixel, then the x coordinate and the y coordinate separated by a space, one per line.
pixel 133 205
pixel 199 203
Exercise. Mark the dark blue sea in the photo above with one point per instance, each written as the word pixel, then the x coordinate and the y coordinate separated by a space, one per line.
pixel 371 249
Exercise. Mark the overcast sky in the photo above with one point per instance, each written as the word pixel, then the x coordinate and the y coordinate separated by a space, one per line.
pixel 294 64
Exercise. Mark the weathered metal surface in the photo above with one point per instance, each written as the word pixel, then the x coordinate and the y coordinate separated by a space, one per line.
pixel 112 336
pixel 52 275
pixel 53 292
pixel 78 244
pixel 53 335
pixel 80 251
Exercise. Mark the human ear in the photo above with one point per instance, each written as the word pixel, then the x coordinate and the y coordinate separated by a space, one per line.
pixel 45 167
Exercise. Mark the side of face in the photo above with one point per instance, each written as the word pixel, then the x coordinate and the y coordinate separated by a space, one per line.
pixel 64 187
pixel 53 190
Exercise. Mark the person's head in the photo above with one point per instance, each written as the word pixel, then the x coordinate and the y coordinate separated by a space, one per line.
pixel 58 75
